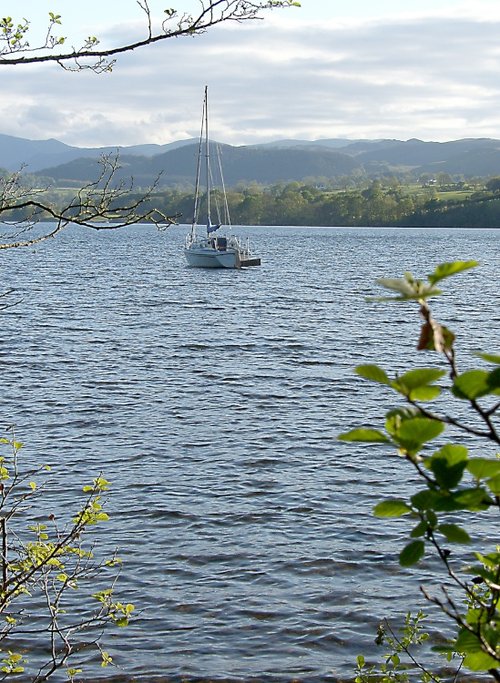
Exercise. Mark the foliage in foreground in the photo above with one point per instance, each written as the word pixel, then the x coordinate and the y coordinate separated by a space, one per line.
pixel 455 485
pixel 46 623
pixel 400 656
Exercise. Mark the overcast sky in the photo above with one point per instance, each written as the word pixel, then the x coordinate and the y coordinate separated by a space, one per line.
pixel 331 69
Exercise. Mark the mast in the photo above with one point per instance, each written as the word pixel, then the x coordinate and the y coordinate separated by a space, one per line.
pixel 198 175
pixel 207 158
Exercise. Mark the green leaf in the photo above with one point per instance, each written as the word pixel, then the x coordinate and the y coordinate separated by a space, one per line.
pixel 395 507
pixel 432 519
pixel 448 465
pixel 424 393
pixel 452 453
pixel 373 373
pixel 447 503
pixel 101 517
pixel 395 418
pixel 413 433
pixel 490 358
pixel 494 485
pixel 494 381
pixel 417 384
pixel 476 659
pixel 425 500
pixel 101 484
pixel 479 570
pixel 454 533
pixel 419 530
pixel 471 385
pixel 452 268
pixel 106 658
pixel 420 377
pixel 412 553
pixel 478 616
pixel 483 468
pixel 364 435
pixel 475 499
pixel 491 560
pixel 480 661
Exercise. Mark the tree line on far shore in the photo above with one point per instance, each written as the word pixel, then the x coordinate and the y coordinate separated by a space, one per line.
pixel 380 202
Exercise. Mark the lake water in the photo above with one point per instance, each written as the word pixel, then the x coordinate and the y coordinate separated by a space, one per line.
pixel 212 401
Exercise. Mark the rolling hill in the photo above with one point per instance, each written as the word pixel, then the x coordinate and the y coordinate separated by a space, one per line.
pixel 278 161
pixel 34 155
pixel 241 165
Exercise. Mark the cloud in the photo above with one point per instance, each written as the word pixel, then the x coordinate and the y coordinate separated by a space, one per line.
pixel 431 77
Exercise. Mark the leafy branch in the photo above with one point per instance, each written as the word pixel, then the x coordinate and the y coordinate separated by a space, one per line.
pixel 401 655
pixel 454 482
pixel 42 565
pixel 16 49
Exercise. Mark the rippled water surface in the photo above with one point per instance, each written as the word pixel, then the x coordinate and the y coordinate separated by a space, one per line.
pixel 212 400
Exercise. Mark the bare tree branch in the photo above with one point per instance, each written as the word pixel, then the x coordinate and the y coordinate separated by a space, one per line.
pixel 17 49
pixel 103 204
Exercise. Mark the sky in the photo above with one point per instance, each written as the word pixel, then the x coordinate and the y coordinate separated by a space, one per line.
pixel 427 69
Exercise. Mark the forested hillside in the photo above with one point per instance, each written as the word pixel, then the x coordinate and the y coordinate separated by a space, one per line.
pixel 376 205
pixel 330 182
pixel 372 203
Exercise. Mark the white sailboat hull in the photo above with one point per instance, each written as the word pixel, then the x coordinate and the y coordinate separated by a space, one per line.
pixel 198 257
pixel 219 252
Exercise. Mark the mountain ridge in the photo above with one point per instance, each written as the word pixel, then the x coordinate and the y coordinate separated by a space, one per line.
pixel 277 161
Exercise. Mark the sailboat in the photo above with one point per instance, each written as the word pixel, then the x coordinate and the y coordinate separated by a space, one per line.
pixel 213 249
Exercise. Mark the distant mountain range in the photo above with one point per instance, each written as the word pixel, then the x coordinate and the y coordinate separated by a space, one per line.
pixel 279 161
pixel 35 155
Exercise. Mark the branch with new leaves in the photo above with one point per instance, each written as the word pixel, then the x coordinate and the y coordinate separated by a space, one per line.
pixel 456 485
pixel 16 48
pixel 44 564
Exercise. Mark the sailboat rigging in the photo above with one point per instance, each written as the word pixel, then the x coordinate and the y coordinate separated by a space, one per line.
pixel 214 250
